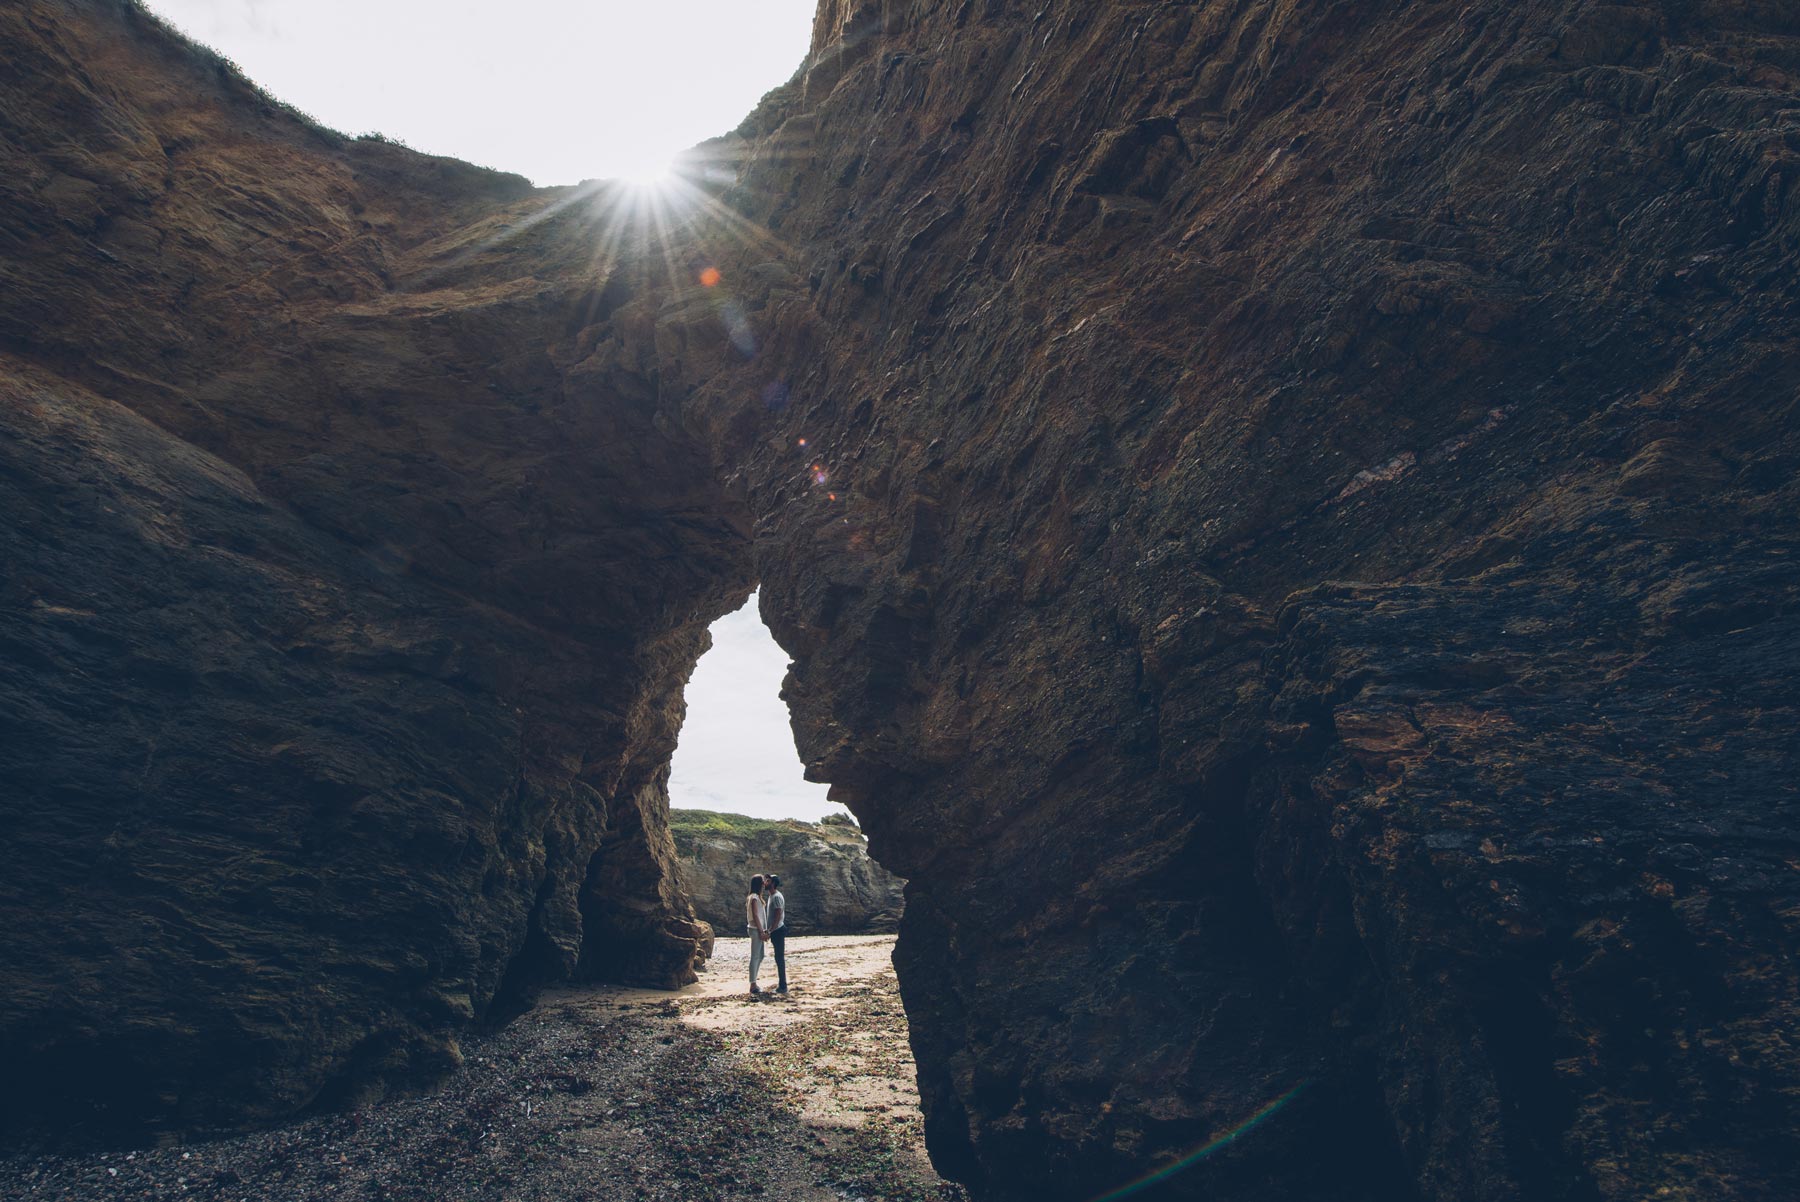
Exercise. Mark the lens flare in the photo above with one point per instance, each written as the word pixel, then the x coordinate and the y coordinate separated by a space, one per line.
pixel 650 173
pixel 709 278
pixel 1207 1149
pixel 737 329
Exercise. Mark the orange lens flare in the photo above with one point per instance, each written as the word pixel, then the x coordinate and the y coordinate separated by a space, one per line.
pixel 710 277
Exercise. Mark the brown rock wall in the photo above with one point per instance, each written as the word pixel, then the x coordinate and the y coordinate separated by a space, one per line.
pixel 1291 557
pixel 330 687
pixel 1260 612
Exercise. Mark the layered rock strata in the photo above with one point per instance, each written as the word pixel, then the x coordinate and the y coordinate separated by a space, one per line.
pixel 1310 597
pixel 331 694
pixel 1282 513
pixel 830 884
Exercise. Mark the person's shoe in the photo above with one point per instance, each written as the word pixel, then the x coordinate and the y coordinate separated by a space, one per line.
pixel 754 991
pixel 782 991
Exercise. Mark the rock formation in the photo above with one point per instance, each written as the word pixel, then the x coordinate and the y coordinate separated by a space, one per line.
pixel 330 689
pixel 831 885
pixel 1283 515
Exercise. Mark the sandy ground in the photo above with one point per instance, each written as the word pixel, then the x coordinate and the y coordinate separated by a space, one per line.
pixel 601 1093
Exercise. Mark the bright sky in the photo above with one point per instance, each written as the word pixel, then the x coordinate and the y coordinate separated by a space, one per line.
pixel 737 751
pixel 556 90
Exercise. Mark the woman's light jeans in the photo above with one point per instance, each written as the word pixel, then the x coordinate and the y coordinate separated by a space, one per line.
pixel 756 953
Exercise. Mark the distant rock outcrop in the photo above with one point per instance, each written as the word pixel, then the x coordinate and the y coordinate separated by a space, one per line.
pixel 831 885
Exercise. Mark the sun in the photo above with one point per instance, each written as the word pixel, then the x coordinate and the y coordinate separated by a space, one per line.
pixel 653 174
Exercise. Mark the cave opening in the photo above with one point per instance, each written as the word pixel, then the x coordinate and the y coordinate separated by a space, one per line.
pixel 736 753
pixel 740 806
pixel 826 1038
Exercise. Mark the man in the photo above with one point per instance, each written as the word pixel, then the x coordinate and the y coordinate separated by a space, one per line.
pixel 778 931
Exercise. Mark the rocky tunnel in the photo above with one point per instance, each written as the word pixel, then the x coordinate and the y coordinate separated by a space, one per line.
pixel 1302 597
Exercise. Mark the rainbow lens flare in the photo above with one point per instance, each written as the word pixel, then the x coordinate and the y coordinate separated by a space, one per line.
pixel 1207 1149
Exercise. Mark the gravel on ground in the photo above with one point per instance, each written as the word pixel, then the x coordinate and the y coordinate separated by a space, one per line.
pixel 599 1093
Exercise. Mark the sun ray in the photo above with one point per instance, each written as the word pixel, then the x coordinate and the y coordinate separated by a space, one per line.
pixel 613 223
pixel 659 218
pixel 746 231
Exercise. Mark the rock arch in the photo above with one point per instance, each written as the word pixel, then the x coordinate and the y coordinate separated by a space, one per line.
pixel 1277 560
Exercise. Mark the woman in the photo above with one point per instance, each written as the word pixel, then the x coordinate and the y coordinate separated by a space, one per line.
pixel 756 922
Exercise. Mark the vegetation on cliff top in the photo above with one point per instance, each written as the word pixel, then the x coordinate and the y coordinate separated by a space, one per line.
pixel 693 823
pixel 237 84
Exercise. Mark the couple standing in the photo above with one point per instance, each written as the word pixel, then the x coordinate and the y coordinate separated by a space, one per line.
pixel 765 916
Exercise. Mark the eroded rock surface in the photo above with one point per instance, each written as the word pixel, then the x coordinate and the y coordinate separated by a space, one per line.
pixel 331 693
pixel 831 885
pixel 1291 556
pixel 1309 599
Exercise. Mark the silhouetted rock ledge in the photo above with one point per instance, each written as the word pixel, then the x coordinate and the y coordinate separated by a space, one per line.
pixel 1283 516
pixel 831 885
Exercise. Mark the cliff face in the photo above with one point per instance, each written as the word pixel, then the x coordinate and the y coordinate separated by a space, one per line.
pixel 330 693
pixel 1310 599
pixel 830 884
pixel 1291 556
